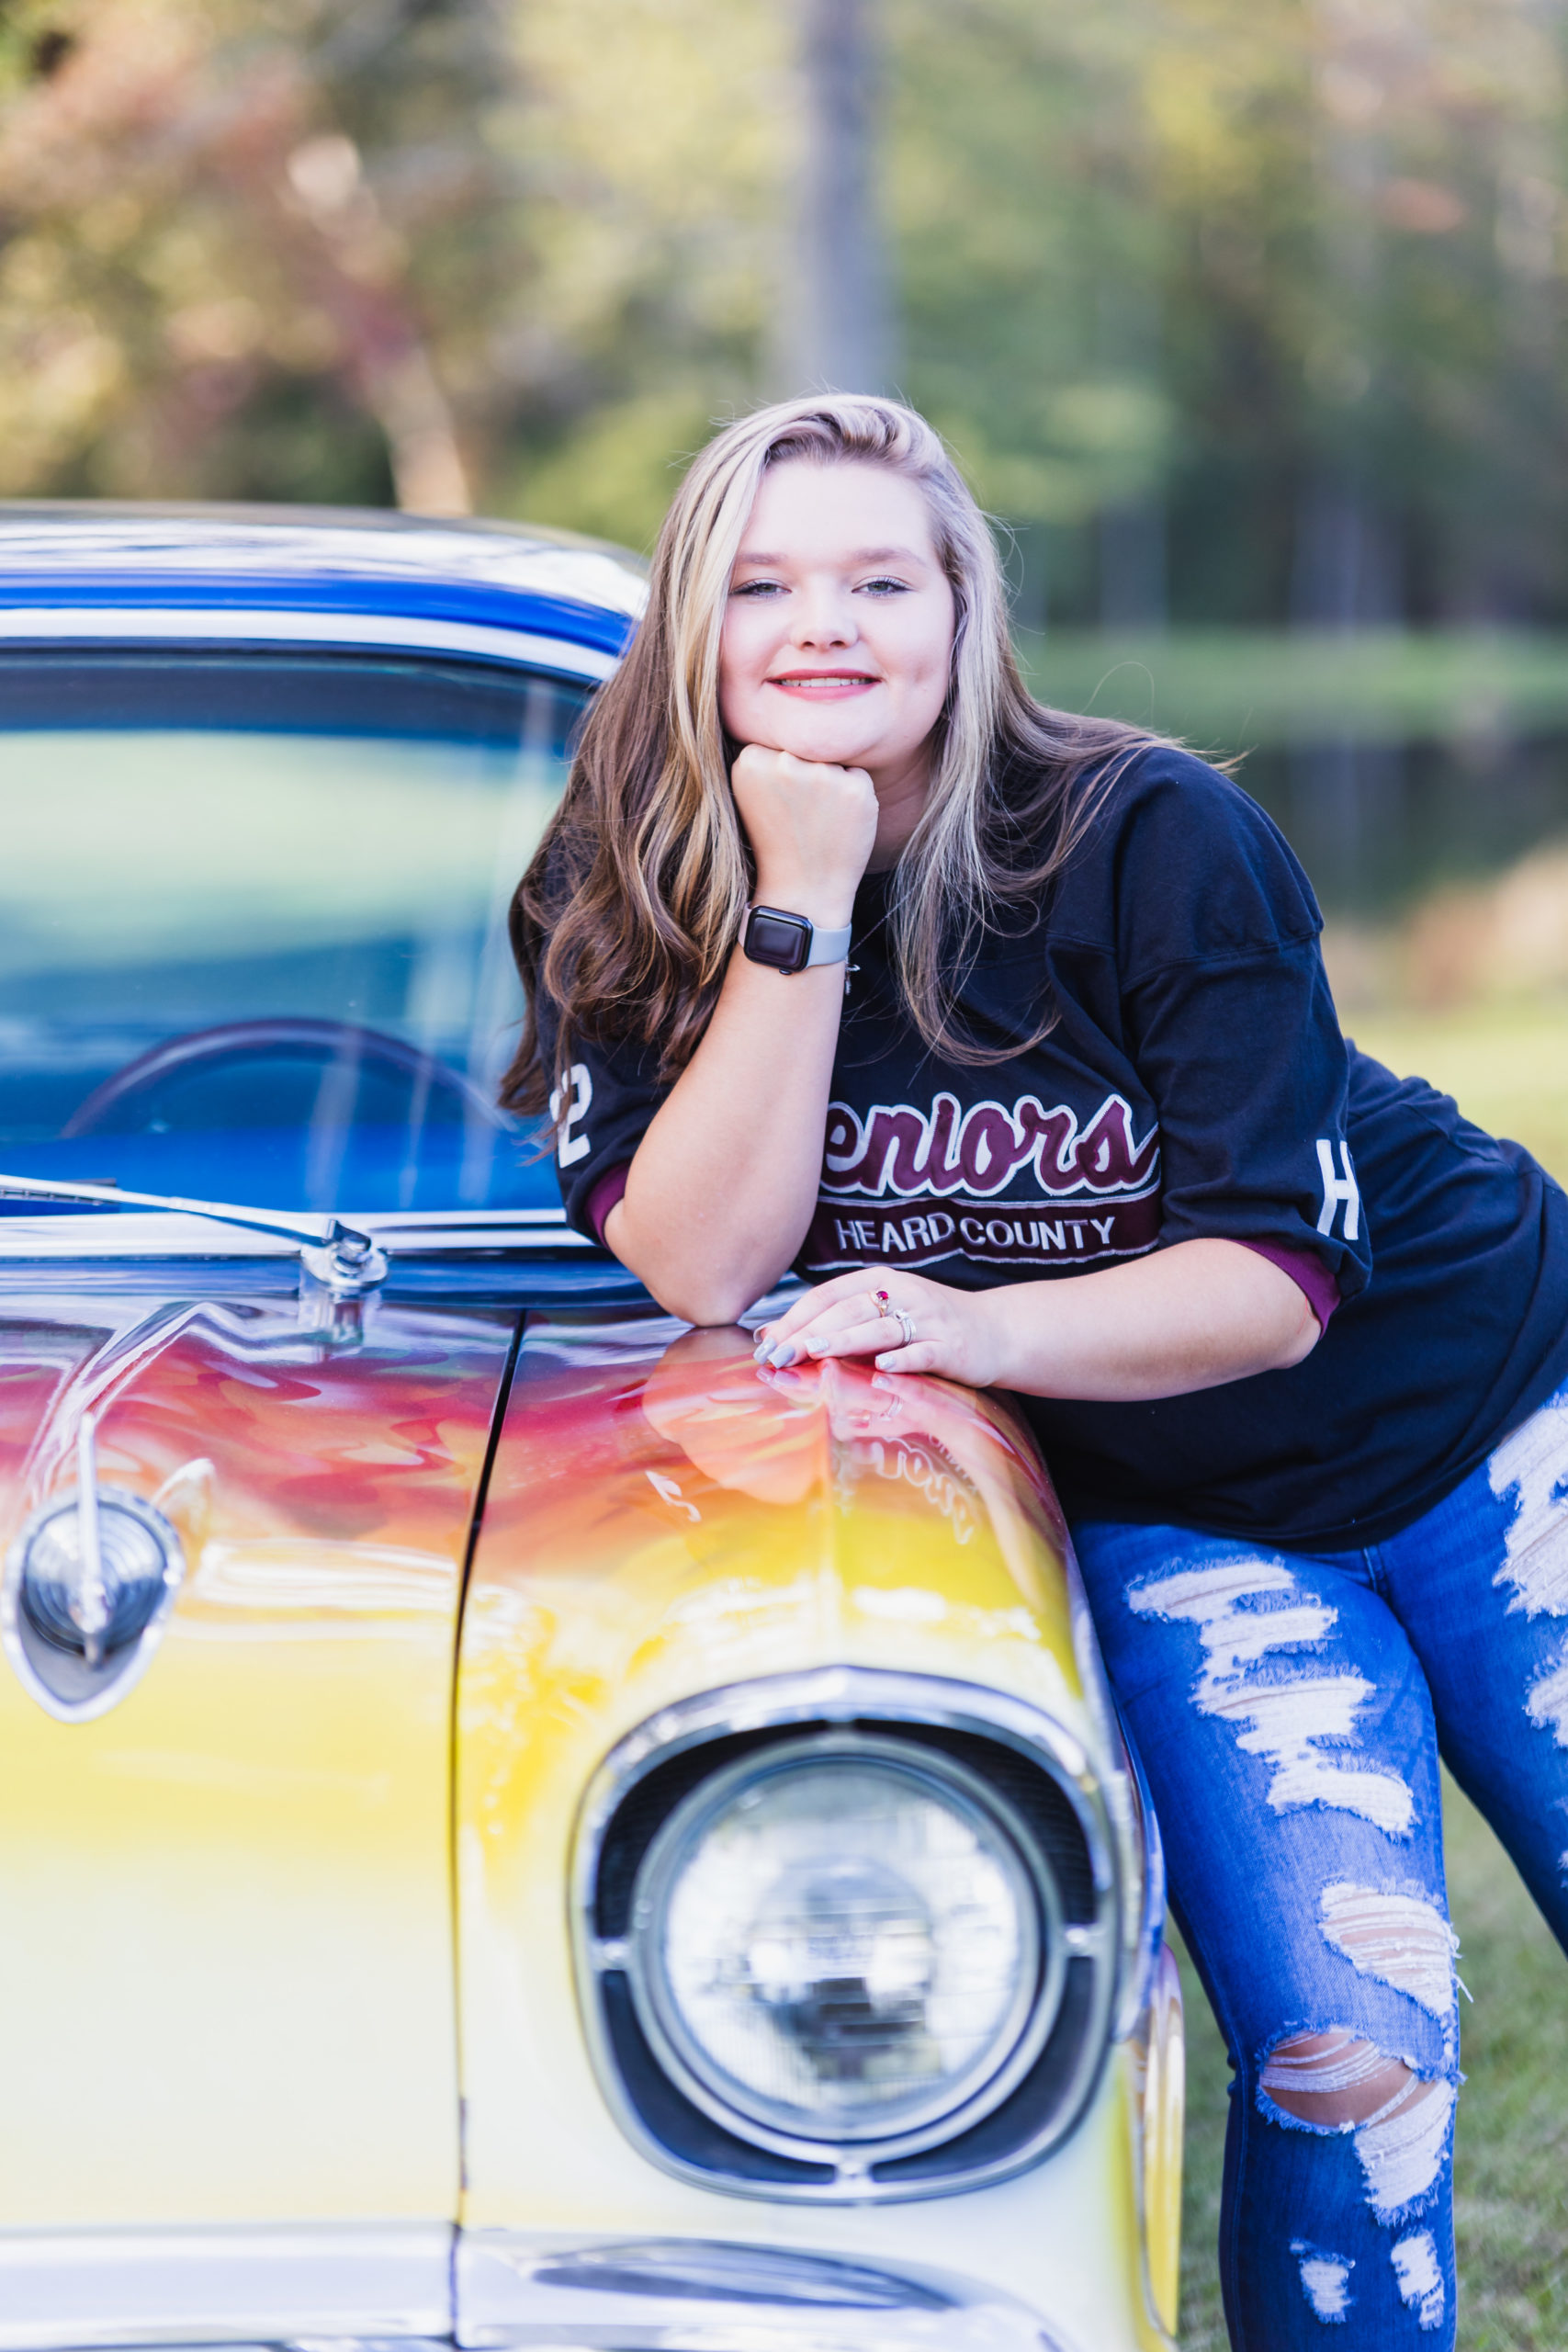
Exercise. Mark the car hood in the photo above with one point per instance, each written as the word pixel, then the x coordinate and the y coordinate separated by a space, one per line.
pixel 711 1521
pixel 253 1421
pixel 664 1521
pixel 236 1877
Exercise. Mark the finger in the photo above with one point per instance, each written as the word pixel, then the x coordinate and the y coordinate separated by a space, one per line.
pixel 819 1300
pixel 850 1314
pixel 921 1355
pixel 849 1331
pixel 859 1282
pixel 861 1310
pixel 801 1310
pixel 795 770
pixel 852 1340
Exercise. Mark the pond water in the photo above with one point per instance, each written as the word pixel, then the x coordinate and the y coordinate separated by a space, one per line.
pixel 1380 824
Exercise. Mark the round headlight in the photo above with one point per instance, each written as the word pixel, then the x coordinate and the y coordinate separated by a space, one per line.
pixel 841 1941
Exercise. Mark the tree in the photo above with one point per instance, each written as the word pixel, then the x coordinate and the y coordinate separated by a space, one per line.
pixel 1252 304
pixel 835 305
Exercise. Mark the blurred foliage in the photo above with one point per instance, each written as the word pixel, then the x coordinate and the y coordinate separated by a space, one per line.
pixel 1240 310
pixel 435 250
pixel 1229 690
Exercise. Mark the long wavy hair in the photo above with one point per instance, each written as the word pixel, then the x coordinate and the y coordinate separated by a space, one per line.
pixel 631 908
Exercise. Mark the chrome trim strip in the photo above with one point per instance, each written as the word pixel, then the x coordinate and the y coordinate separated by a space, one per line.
pixel 129 1234
pixel 833 1696
pixel 518 2289
pixel 1138 1972
pixel 830 1695
pixel 156 2286
pixel 1129 1818
pixel 387 632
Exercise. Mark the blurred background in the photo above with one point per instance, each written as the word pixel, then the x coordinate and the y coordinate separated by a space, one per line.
pixel 1247 319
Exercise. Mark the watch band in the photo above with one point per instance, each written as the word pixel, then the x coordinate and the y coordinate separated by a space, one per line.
pixel 791 942
pixel 829 946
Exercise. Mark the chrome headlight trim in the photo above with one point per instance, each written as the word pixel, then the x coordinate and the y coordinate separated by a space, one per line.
pixel 743 2158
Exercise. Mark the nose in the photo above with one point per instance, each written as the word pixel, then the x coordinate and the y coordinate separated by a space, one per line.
pixel 822 615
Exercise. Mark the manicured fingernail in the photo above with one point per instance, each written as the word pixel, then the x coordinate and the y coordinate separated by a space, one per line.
pixel 782 1352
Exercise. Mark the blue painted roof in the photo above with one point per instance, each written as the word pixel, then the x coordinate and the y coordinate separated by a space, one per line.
pixel 304 560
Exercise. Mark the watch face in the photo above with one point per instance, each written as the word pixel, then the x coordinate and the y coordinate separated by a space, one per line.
pixel 784 940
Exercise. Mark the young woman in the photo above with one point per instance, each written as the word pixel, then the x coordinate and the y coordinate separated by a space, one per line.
pixel 1009 1032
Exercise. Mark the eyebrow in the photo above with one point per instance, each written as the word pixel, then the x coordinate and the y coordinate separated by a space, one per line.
pixel 861 555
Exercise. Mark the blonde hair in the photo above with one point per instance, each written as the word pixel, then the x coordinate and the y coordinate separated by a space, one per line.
pixel 632 906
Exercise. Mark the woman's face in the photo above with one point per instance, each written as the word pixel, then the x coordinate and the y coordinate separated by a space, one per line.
pixel 837 633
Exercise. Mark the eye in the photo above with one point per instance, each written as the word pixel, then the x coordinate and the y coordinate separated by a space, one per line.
pixel 885 586
pixel 758 588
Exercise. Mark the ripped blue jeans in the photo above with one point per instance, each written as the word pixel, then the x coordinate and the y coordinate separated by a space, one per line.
pixel 1289 1709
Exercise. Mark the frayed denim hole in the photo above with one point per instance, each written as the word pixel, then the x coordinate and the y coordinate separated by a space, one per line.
pixel 1418 2274
pixel 1526 1470
pixel 1325 2280
pixel 1403 2146
pixel 1560 1805
pixel 1269 2108
pixel 1254 1660
pixel 1546 1697
pixel 1399 1937
pixel 1283 1667
pixel 1408 2181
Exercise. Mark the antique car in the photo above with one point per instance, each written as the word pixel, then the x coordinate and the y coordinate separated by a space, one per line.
pixel 519 1828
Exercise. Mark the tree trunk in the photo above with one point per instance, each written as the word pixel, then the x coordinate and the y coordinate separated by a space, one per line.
pixel 837 313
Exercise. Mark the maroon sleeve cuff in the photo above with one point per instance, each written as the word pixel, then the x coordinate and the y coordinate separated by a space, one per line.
pixel 1304 1267
pixel 609 1190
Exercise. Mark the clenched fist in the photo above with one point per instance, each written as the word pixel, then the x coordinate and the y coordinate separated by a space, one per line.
pixel 811 828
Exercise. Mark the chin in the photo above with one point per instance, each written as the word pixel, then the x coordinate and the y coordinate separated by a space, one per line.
pixel 831 746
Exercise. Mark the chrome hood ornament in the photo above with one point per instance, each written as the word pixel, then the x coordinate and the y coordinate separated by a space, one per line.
pixel 345 1261
pixel 88 1584
pixel 90 1608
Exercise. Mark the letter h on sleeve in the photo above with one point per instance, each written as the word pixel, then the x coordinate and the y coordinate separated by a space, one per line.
pixel 1338 1190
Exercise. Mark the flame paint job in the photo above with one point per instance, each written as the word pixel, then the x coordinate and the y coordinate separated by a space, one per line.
pixel 225 1946
pixel 662 1519
pixel 227 1922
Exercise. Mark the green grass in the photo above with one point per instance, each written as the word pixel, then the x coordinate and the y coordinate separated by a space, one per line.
pixel 1230 689
pixel 1508 1068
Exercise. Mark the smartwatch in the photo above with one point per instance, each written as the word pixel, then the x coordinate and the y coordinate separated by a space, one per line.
pixel 791 942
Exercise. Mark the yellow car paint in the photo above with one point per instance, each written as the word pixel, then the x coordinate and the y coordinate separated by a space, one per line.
pixel 663 1520
pixel 225 1943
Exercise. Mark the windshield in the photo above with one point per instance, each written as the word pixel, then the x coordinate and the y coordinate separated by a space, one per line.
pixel 253 923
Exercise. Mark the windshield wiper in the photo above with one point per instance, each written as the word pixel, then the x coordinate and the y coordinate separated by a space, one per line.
pixel 346 1262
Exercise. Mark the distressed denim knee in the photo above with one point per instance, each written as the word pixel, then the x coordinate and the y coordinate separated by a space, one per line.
pixel 1288 1708
pixel 1399 2122
pixel 1288 1737
pixel 1399 2119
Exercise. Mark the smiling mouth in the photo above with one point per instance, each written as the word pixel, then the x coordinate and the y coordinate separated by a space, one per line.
pixel 824 681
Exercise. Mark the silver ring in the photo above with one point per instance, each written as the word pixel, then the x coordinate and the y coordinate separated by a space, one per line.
pixel 907 1324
